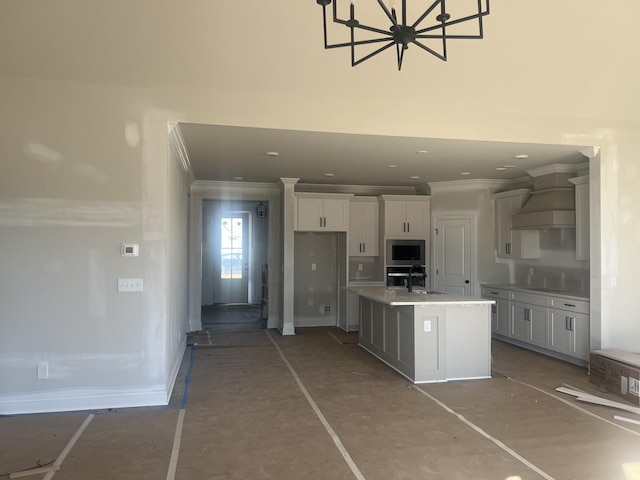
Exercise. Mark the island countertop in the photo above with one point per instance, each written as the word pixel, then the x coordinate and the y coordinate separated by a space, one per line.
pixel 419 296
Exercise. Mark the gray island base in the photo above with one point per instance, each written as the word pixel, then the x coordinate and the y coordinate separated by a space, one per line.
pixel 427 336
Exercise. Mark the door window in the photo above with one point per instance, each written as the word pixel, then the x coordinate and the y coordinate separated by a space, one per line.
pixel 231 250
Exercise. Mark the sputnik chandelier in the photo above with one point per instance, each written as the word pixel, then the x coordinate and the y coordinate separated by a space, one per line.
pixel 434 26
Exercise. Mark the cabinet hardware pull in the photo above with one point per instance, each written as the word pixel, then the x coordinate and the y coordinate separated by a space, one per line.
pixel 567 323
pixel 321 222
pixel 364 248
pixel 408 227
pixel 495 293
pixel 569 305
pixel 507 248
pixel 571 322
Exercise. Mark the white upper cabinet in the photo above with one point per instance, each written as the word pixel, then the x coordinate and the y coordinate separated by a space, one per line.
pixel 514 243
pixel 364 227
pixel 582 216
pixel 406 216
pixel 322 212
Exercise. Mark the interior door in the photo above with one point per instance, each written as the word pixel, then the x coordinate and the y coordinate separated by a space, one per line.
pixel 232 262
pixel 453 255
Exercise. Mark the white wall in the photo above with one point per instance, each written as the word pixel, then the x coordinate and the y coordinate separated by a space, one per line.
pixel 87 92
pixel 81 174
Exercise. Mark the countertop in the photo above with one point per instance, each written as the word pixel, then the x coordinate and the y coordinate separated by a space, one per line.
pixel 419 296
pixel 541 291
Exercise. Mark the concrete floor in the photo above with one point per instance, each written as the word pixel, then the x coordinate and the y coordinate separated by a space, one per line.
pixel 316 406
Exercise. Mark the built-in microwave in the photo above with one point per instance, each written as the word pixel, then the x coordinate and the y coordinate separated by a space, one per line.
pixel 405 252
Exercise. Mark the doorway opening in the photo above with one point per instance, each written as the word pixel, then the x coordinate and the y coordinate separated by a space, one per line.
pixel 234 259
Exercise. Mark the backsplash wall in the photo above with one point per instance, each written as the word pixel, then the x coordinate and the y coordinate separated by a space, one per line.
pixel 557 268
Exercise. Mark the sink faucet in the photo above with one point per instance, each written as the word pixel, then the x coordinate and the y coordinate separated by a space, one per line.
pixel 412 270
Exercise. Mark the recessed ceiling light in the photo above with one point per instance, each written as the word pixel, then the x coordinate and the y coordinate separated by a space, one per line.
pixel 422 152
pixel 465 173
pixel 329 174
pixel 521 157
pixel 414 177
pixel 272 154
pixel 391 166
pixel 500 168
pixel 238 178
pixel 509 166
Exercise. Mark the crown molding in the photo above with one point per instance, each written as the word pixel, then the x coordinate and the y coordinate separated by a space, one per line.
pixel 177 139
pixel 468 185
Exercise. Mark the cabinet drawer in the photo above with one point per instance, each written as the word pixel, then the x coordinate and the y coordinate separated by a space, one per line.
pixel 488 292
pixel 530 298
pixel 577 306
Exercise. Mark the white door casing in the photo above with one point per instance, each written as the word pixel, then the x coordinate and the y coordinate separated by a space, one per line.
pixel 453 240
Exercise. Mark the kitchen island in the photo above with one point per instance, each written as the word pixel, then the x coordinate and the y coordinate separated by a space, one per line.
pixel 427 336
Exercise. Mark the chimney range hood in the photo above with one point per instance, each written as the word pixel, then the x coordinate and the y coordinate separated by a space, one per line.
pixel 552 203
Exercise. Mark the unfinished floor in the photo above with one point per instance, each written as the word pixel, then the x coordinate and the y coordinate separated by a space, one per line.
pixel 256 405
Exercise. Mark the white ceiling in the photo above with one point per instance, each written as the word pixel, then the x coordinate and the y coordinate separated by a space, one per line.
pixel 227 153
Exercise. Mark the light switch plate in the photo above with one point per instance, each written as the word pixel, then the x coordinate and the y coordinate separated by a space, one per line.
pixel 129 284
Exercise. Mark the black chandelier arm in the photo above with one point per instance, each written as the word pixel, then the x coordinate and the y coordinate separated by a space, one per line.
pixel 426 13
pixel 363 27
pixel 367 57
pixel 358 42
pixel 451 37
pixel 455 22
pixel 433 52
pixel 400 54
pixel 391 16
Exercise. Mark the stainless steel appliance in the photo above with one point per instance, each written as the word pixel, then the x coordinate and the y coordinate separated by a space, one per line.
pixel 405 252
pixel 399 276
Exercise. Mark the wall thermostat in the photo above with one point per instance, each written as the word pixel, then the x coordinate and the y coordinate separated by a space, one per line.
pixel 129 249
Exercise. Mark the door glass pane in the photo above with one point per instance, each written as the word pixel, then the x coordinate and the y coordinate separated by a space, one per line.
pixel 231 250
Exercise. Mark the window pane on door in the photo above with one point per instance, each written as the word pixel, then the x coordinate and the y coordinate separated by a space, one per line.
pixel 231 250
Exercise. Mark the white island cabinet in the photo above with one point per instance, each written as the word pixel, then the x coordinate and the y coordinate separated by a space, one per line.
pixel 427 337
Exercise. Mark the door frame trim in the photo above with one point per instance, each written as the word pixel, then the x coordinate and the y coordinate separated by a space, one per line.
pixel 473 247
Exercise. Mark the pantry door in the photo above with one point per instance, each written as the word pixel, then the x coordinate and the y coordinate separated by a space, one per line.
pixel 453 254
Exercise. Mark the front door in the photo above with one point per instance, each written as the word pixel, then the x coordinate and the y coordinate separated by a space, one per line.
pixel 232 260
pixel 453 254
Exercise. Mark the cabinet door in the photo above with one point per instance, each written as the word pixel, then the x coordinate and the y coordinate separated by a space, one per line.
pixel 416 218
pixel 395 224
pixel 355 232
pixel 580 336
pixel 559 332
pixel 539 319
pixel 503 315
pixel 503 227
pixel 370 228
pixel 310 215
pixel 366 319
pixel 582 221
pixel 520 325
pixel 336 215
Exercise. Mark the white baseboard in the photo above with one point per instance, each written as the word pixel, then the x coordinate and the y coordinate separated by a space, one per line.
pixel 68 400
pixel 175 369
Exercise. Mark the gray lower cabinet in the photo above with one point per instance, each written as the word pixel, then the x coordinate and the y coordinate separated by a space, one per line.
pixel 569 328
pixel 549 324
pixel 500 311
pixel 530 323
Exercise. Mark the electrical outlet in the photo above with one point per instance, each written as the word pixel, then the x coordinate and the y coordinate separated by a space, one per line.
pixel 327 308
pixel 129 284
pixel 43 370
pixel 313 266
pixel 360 267
pixel 427 325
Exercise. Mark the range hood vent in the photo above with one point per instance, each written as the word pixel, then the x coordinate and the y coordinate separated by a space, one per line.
pixel 552 203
